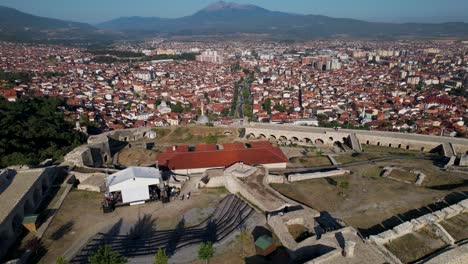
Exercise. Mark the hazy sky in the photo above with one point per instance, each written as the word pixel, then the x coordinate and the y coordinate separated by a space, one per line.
pixel 94 11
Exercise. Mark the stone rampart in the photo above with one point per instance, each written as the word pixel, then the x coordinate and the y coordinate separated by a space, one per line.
pixel 100 149
pixel 329 136
pixel 420 222
pixel 316 175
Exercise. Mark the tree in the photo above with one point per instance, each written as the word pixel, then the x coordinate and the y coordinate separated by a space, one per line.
pixel 225 112
pixel 61 260
pixel 160 257
pixel 279 107
pixel 36 247
pixel 206 251
pixel 267 105
pixel 322 117
pixel 24 137
pixel 177 108
pixel 104 255
pixel 235 67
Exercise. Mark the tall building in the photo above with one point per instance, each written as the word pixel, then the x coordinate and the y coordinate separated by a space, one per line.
pixel 210 56
pixel 322 63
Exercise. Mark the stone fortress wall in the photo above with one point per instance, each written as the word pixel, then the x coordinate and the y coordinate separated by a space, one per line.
pixel 21 194
pixel 354 138
pixel 100 149
pixel 431 219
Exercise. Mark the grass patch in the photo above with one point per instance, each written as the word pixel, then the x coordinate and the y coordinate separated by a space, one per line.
pixel 307 161
pixel 194 135
pixel 356 157
pixel 161 132
pixel 457 226
pixel 213 138
pixel 320 194
pixel 402 150
pixel 234 252
pixel 216 190
pixel 403 175
pixel 372 172
pixel 414 246
pixel 137 157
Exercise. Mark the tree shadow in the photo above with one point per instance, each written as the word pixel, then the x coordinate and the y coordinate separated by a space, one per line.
pixel 340 238
pixel 447 187
pixel 144 227
pixel 327 222
pixel 175 237
pixel 63 230
pixel 99 240
pixel 210 232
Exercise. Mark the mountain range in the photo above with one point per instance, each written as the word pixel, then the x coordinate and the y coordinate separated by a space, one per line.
pixel 225 18
pixel 218 18
pixel 16 25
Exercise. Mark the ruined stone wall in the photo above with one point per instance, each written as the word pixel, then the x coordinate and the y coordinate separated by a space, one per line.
pixel 234 186
pixel 420 222
pixel 101 148
pixel 316 175
pixel 460 149
pixel 275 179
pixel 215 182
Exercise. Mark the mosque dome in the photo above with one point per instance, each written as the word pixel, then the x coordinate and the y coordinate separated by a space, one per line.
pixel 203 119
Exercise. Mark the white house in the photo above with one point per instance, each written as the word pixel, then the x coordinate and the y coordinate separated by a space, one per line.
pixel 134 184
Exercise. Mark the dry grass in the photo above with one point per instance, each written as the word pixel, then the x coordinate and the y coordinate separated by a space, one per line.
pixel 296 230
pixel 369 199
pixel 195 135
pixel 403 175
pixel 372 172
pixel 306 157
pixel 234 253
pixel 457 226
pixel 434 176
pixel 137 157
pixel 414 246
pixel 317 161
pixel 356 157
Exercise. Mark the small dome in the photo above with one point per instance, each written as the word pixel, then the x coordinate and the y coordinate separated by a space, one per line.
pixel 203 119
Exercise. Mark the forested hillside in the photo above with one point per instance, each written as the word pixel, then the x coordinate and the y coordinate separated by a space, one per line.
pixel 34 129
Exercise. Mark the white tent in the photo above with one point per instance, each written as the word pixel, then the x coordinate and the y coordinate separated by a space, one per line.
pixel 133 183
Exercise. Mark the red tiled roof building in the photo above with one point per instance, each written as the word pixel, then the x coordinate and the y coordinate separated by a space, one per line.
pixel 198 159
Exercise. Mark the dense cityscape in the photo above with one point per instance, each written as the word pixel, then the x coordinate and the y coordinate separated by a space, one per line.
pixel 405 86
